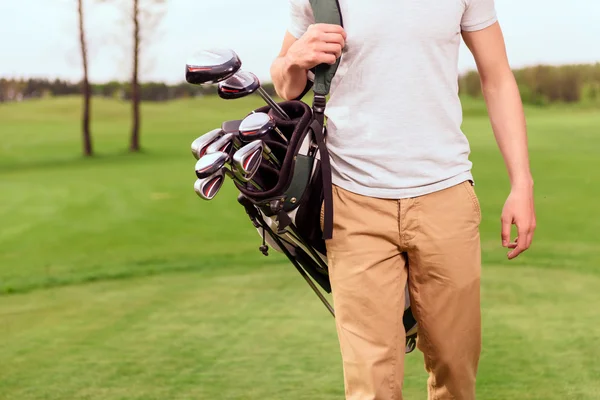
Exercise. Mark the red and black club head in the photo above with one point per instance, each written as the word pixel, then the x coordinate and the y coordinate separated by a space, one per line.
pixel 208 188
pixel 210 164
pixel 211 66
pixel 241 84
pixel 247 160
pixel 200 145
pixel 224 144
pixel 255 126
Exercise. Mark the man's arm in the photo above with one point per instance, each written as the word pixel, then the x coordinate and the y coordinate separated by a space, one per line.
pixel 508 122
pixel 322 43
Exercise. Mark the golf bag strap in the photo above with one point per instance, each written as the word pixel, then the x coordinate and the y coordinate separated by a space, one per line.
pixel 326 12
pixel 318 130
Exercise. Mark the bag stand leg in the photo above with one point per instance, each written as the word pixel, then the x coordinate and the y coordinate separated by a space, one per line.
pixel 302 272
pixel 257 221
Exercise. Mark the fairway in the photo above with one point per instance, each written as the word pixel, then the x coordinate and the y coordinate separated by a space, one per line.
pixel 118 282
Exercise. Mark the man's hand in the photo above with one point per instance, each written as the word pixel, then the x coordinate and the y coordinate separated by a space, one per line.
pixel 322 43
pixel 508 122
pixel 519 209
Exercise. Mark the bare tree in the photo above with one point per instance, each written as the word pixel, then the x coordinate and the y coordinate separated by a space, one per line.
pixel 144 15
pixel 86 88
pixel 134 144
pixel 148 14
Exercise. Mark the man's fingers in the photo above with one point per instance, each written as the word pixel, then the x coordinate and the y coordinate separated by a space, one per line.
pixel 331 48
pixel 506 225
pixel 332 38
pixel 326 58
pixel 331 28
pixel 524 242
pixel 515 253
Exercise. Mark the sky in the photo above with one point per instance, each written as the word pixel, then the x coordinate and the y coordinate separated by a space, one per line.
pixel 38 38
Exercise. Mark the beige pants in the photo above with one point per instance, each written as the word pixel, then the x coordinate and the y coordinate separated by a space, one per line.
pixel 378 245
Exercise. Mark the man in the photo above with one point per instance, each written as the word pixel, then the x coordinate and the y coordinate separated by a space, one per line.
pixel 404 205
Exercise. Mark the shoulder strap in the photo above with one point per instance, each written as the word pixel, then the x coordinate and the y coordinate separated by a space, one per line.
pixel 326 12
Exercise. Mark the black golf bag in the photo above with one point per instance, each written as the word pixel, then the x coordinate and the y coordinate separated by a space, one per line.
pixel 293 209
pixel 291 213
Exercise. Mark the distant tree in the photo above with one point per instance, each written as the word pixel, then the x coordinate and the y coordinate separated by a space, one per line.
pixel 134 144
pixel 85 85
pixel 146 15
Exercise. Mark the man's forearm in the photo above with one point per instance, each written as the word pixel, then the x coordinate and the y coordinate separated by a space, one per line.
pixel 289 80
pixel 508 122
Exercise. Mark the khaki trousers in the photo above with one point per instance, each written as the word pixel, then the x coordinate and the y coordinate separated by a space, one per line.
pixel 378 245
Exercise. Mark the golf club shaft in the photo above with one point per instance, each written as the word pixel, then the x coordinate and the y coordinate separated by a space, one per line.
pixel 300 270
pixel 308 249
pixel 276 107
pixel 281 135
pixel 269 153
pixel 292 236
pixel 236 178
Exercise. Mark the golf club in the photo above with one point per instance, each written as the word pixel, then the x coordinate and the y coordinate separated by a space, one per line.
pixel 257 125
pixel 211 66
pixel 234 127
pixel 200 145
pixel 208 188
pixel 244 83
pixel 211 163
pixel 225 144
pixel 247 159
pixel 231 126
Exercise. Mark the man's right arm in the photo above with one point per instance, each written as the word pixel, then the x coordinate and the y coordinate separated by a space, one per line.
pixel 321 43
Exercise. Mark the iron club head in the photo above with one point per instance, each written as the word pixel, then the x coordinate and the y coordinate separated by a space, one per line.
pixel 208 188
pixel 210 164
pixel 200 145
pixel 255 126
pixel 247 159
pixel 225 144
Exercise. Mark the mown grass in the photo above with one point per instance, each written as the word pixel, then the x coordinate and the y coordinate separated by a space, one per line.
pixel 117 282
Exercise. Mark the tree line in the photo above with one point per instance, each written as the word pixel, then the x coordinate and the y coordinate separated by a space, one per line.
pixel 545 84
pixel 539 85
pixel 33 88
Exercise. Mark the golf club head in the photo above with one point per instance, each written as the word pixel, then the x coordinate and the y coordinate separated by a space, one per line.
pixel 211 66
pixel 247 159
pixel 255 126
pixel 224 144
pixel 208 188
pixel 200 145
pixel 241 84
pixel 231 126
pixel 210 164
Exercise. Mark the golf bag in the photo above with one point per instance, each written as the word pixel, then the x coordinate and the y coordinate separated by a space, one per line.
pixel 294 212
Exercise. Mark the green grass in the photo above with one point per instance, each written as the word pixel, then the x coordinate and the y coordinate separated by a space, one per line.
pixel 116 282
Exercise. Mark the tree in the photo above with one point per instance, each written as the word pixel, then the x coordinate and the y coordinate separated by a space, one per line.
pixel 144 16
pixel 148 14
pixel 134 144
pixel 86 87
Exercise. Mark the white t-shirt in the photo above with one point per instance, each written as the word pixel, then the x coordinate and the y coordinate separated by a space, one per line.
pixel 394 115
